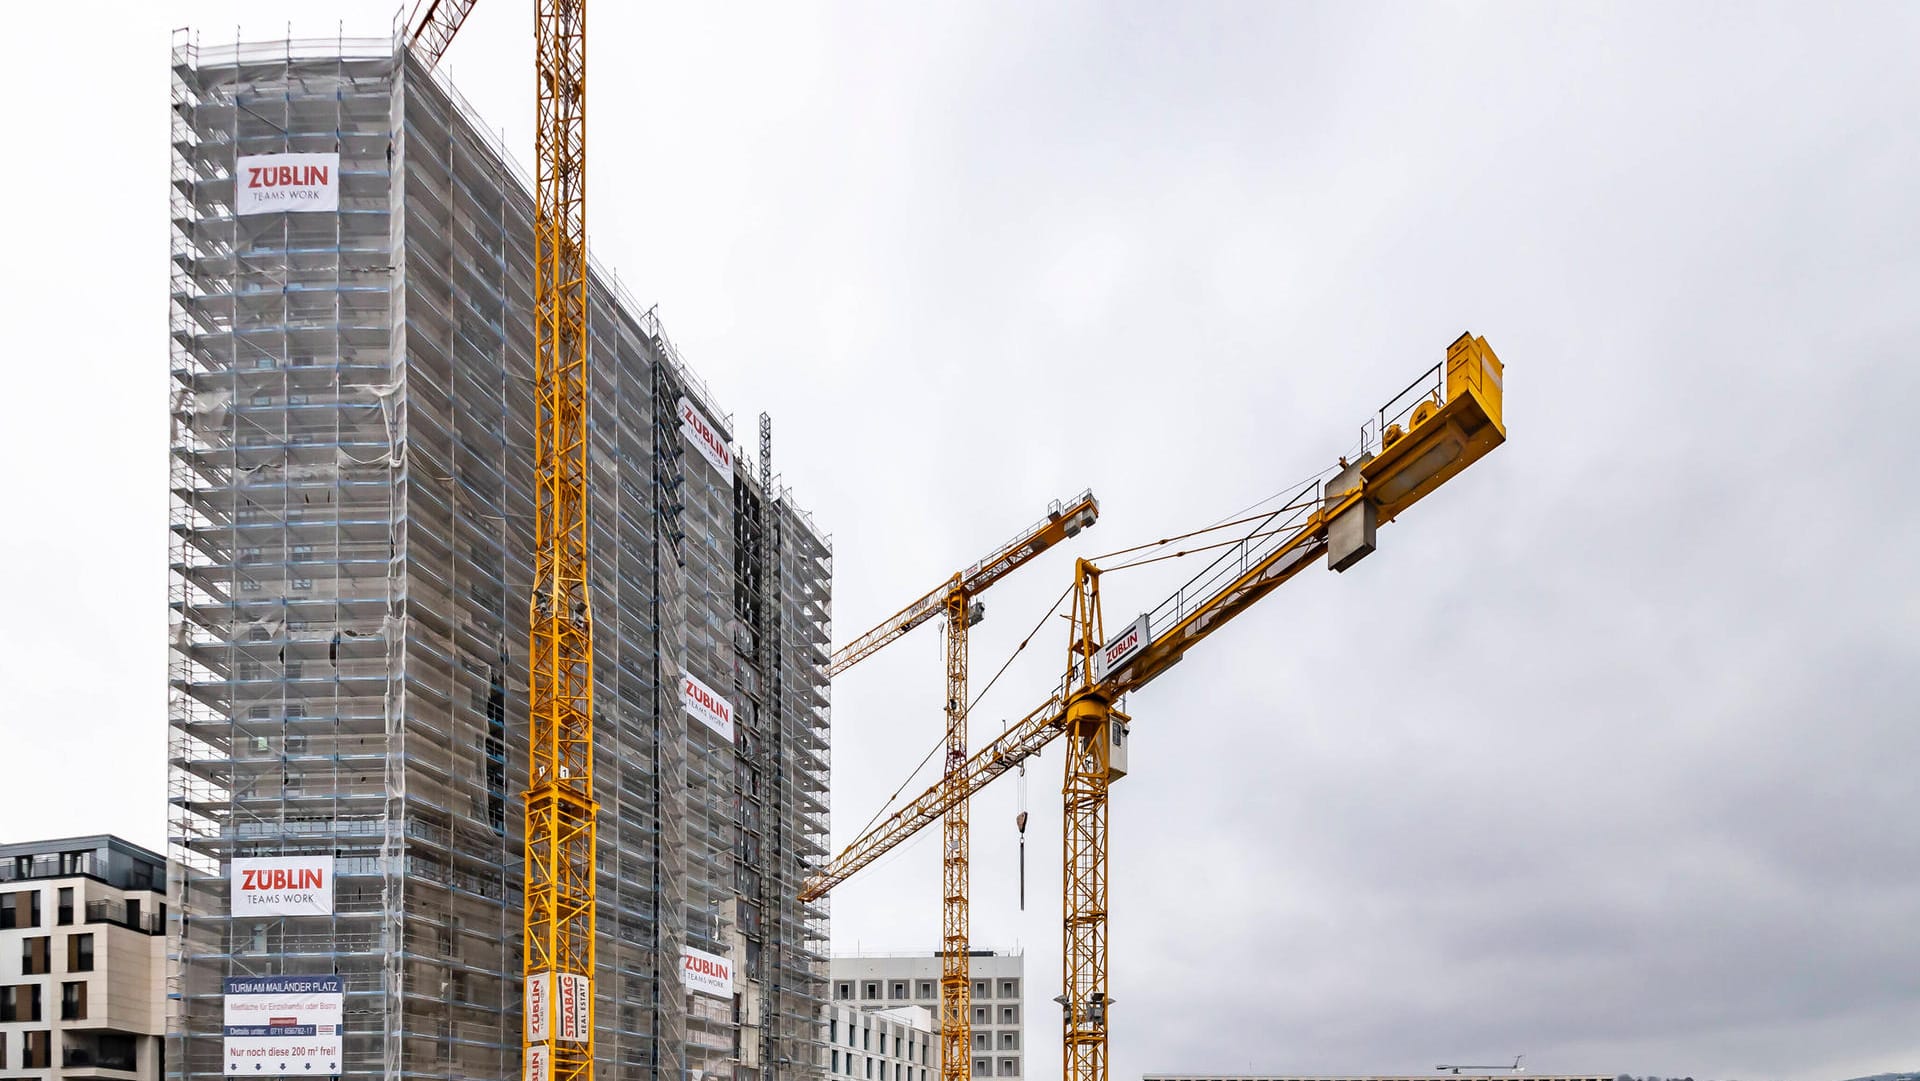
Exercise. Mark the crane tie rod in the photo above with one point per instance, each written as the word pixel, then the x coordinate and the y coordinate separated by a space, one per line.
pixel 1296 505
pixel 1255 535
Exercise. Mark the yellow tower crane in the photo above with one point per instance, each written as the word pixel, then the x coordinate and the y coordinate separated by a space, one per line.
pixel 557 961
pixel 1445 421
pixel 957 599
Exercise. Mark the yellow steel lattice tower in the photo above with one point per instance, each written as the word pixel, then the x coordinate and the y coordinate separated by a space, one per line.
pixel 558 962
pixel 1083 828
pixel 956 992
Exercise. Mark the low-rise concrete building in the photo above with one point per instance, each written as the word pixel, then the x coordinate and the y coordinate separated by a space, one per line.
pixel 886 981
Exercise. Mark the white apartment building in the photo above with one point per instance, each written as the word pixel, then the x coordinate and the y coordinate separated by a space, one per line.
pixel 881 1045
pixel 885 981
pixel 82 961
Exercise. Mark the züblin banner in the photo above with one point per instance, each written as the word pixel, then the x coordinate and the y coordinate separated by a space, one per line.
pixel 707 973
pixel 283 886
pixel 705 704
pixel 271 183
pixel 283 1025
pixel 700 432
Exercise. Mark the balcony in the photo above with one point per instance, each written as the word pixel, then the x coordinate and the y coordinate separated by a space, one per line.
pixel 120 915
pixel 87 1058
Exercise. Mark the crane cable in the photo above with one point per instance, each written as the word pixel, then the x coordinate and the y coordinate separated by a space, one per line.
pixel 1024 642
pixel 1239 517
pixel 1255 535
pixel 1020 823
pixel 942 742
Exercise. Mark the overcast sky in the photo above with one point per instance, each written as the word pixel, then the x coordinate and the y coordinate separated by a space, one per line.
pixel 1606 757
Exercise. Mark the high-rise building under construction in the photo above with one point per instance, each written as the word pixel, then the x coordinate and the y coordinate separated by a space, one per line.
pixel 352 538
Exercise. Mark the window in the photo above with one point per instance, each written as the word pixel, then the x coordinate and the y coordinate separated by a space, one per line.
pixel 73 1000
pixel 836 1060
pixel 33 956
pixel 65 917
pixel 1009 1067
pixel 295 711
pixel 866 1039
pixel 300 583
pixel 36 1050
pixel 293 669
pixel 896 1071
pixel 982 989
pixel 982 1041
pixel 926 989
pixel 833 1036
pixel 1009 1041
pixel 20 909
pixel 20 1002
pixel 1009 988
pixel 248 670
pixel 1009 1015
pixel 869 1069
pixel 871 990
pixel 980 1015
pixel 898 989
pixel 896 1046
pixel 843 991
pixel 257 713
pixel 80 953
pixel 983 1067
pixel 249 585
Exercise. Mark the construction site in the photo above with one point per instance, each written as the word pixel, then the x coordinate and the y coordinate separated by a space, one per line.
pixel 499 685
pixel 353 550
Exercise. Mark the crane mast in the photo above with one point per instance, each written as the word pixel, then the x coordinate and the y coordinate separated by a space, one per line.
pixel 1445 421
pixel 561 832
pixel 558 957
pixel 956 986
pixel 557 960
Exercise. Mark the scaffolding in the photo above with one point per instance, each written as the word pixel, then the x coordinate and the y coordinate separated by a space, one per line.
pixel 351 531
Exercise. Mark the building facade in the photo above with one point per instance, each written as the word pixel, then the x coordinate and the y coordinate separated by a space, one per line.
pixel 899 1044
pixel 82 961
pixel 885 981
pixel 353 418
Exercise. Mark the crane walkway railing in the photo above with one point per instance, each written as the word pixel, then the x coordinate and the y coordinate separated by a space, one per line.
pixel 1268 535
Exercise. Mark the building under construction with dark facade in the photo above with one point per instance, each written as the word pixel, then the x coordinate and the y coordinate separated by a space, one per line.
pixel 352 540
